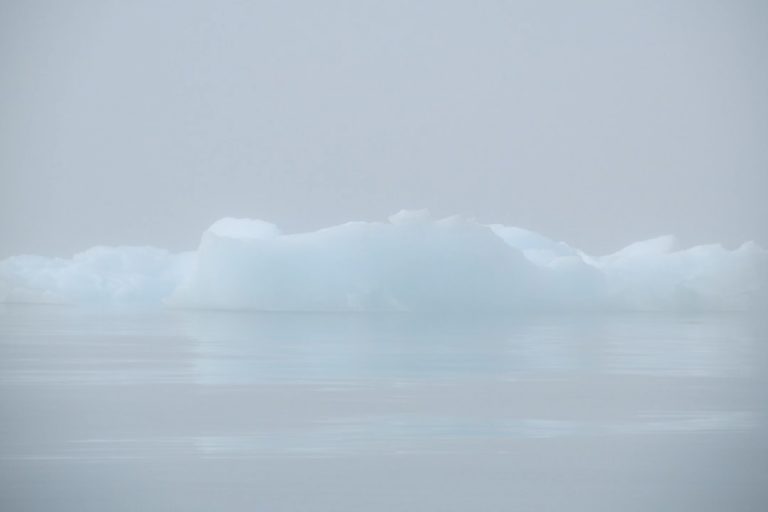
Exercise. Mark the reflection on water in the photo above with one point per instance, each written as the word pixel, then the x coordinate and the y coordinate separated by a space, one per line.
pixel 70 346
pixel 84 386
pixel 340 437
pixel 347 436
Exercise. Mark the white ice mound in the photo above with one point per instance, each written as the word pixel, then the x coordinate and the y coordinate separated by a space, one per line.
pixel 243 229
pixel 140 275
pixel 653 275
pixel 410 263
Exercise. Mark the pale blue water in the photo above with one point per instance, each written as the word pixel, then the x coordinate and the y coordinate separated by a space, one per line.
pixel 202 410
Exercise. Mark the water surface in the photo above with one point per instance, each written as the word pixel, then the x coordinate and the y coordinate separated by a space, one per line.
pixel 232 411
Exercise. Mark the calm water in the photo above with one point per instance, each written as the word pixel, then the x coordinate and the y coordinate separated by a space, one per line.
pixel 219 411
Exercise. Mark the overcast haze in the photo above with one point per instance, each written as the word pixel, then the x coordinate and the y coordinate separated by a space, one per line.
pixel 597 123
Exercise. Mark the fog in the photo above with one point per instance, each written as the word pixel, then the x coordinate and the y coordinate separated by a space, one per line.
pixel 560 317
pixel 597 123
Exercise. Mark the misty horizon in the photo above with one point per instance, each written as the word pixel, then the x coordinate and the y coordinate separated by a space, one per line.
pixel 597 124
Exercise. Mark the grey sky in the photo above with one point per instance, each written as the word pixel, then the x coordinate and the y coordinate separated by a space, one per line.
pixel 598 123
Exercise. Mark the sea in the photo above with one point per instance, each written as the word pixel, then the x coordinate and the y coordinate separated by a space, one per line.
pixel 120 409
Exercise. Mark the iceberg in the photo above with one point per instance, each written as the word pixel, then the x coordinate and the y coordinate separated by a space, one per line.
pixel 411 262
pixel 138 275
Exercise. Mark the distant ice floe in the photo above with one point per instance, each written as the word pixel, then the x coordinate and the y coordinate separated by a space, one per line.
pixel 410 263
